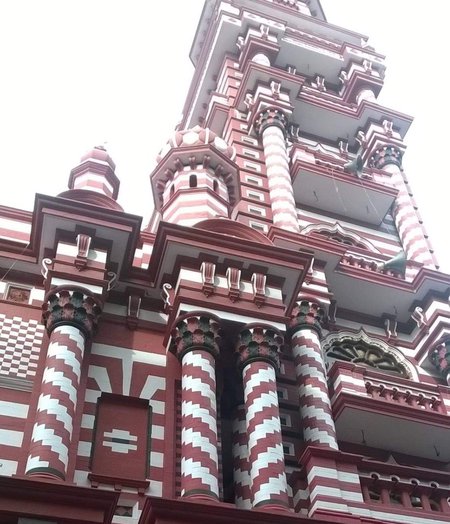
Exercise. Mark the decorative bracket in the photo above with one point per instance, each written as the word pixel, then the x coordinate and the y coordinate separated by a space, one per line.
pixel 133 310
pixel 259 289
pixel 83 245
pixel 233 279
pixel 208 270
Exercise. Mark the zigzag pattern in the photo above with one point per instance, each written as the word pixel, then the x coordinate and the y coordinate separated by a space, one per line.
pixel 52 431
pixel 266 457
pixel 199 463
pixel 315 407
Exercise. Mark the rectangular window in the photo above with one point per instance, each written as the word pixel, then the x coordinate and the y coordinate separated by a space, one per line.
pixel 285 420
pixel 121 450
pixel 258 226
pixel 253 180
pixel 249 140
pixel 288 448
pixel 255 196
pixel 250 153
pixel 252 166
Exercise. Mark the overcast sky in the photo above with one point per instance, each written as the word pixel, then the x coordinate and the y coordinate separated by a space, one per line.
pixel 77 73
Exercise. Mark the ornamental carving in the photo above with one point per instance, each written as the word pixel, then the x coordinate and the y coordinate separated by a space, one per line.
pixel 259 342
pixel 271 117
pixel 358 348
pixel 74 306
pixel 307 315
pixel 384 156
pixel 440 357
pixel 196 330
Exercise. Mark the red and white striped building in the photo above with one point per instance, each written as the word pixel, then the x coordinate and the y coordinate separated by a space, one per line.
pixel 274 346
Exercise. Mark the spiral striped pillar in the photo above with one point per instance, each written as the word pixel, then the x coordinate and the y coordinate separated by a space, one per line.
pixel 241 470
pixel 271 125
pixel 70 317
pixel 406 220
pixel 258 357
pixel 315 406
pixel 195 340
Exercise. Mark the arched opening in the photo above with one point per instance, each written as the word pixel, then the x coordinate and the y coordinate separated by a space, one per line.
pixel 216 186
pixel 193 181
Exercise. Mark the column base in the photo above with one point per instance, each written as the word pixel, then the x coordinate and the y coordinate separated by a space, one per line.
pixel 47 473
pixel 200 496
pixel 272 506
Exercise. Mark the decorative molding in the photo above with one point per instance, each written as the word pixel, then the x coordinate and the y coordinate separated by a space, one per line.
pixel 196 330
pixel 440 357
pixel 271 116
pixel 307 315
pixel 45 267
pixel 259 342
pixel 385 155
pixel 71 306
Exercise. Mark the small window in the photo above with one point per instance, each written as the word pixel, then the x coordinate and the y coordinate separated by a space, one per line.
pixel 253 181
pixel 252 166
pixel 255 196
pixel 172 190
pixel 256 211
pixel 193 181
pixel 257 226
pixel 282 393
pixel 250 153
pixel 285 420
pixel 249 140
pixel 216 186
pixel 288 448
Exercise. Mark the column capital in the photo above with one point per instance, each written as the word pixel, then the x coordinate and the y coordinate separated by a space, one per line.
pixel 385 155
pixel 196 330
pixel 270 116
pixel 440 357
pixel 71 306
pixel 259 342
pixel 307 315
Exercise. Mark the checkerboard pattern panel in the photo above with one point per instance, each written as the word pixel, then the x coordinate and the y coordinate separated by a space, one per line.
pixel 20 343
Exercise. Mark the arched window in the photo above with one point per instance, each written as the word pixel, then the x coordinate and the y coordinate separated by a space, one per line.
pixel 193 181
pixel 216 186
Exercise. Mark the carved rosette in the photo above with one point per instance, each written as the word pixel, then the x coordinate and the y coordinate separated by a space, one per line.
pixel 259 342
pixel 74 306
pixel 196 330
pixel 271 116
pixel 307 315
pixel 386 155
pixel 440 357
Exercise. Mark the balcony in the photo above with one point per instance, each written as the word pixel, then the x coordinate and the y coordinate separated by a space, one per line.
pixel 405 491
pixel 383 410
pixel 320 182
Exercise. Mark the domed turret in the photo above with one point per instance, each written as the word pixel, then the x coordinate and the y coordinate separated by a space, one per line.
pixel 94 180
pixel 195 178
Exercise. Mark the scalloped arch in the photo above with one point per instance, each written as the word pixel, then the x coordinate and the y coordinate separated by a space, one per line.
pixel 333 339
pixel 337 229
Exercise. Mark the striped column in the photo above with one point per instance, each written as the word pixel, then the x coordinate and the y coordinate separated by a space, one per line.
pixel 315 406
pixel 258 350
pixel 271 125
pixel 70 317
pixel 406 219
pixel 196 343
pixel 241 467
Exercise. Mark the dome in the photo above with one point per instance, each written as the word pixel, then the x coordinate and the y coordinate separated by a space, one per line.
pixel 197 136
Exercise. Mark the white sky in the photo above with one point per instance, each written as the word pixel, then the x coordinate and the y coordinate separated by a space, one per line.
pixel 77 73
